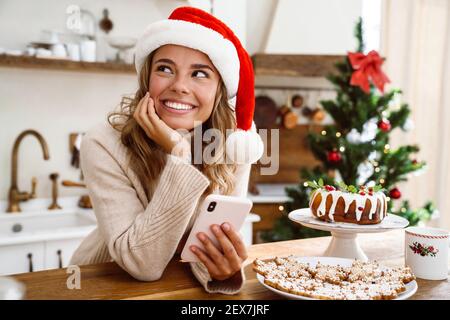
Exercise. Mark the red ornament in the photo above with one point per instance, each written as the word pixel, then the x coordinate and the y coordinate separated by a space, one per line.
pixel 384 125
pixel 365 67
pixel 395 193
pixel 334 156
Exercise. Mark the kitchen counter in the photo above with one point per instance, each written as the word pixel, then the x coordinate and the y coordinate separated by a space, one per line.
pixel 109 281
pixel 271 193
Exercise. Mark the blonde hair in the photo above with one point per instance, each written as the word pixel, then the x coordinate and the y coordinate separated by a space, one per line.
pixel 145 156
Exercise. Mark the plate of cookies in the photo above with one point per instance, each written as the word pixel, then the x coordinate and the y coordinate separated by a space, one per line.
pixel 330 278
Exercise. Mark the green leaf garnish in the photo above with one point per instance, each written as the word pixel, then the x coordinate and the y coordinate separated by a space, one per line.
pixel 321 182
pixel 311 184
pixel 314 184
pixel 377 188
pixel 342 186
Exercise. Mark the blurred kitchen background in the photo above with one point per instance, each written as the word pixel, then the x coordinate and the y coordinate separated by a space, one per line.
pixel 65 64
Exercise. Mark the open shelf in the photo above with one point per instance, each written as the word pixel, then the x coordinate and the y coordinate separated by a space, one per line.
pixel 264 65
pixel 294 65
pixel 63 65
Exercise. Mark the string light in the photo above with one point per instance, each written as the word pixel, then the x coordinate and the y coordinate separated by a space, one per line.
pixel 281 208
pixel 305 184
pixel 388 199
pixel 324 132
pixel 403 210
pixel 387 146
pixel 377 169
pixel 381 180
pixel 342 149
pixel 338 134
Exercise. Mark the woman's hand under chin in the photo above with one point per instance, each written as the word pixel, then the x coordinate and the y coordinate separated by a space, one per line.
pixel 169 139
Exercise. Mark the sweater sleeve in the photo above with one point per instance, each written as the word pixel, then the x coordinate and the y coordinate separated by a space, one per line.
pixel 142 240
pixel 234 284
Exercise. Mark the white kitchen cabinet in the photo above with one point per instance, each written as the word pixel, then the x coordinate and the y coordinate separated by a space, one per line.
pixel 37 256
pixel 59 252
pixel 22 258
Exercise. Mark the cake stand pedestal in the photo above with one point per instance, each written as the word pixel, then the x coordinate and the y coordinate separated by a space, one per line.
pixel 344 243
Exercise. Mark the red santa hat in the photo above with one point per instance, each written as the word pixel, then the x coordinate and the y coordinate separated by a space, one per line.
pixel 199 30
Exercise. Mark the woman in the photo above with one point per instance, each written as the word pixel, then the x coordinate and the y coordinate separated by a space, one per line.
pixel 145 187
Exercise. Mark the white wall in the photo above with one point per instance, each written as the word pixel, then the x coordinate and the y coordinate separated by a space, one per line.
pixel 57 103
pixel 312 27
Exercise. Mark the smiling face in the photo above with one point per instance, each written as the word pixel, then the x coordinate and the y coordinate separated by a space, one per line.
pixel 183 85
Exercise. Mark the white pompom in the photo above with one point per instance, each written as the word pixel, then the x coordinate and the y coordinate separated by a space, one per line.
pixel 244 147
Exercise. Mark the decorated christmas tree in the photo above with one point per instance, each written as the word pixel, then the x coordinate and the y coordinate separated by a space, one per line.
pixel 355 149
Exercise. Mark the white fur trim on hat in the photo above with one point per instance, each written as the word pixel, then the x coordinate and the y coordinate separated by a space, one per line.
pixel 244 146
pixel 221 51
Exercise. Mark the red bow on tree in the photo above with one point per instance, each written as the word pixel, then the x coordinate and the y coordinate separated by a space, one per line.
pixel 366 66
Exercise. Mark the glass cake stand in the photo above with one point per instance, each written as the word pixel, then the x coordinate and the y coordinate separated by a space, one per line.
pixel 344 242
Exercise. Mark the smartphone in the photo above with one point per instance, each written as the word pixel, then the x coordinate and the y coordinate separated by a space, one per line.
pixel 216 209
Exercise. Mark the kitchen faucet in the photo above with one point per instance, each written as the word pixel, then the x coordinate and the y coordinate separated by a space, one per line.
pixel 15 196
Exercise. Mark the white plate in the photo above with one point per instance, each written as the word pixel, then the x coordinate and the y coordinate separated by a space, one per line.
pixel 304 216
pixel 411 287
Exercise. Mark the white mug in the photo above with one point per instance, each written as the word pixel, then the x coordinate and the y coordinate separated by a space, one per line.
pixel 88 50
pixel 74 51
pixel 426 252
pixel 59 50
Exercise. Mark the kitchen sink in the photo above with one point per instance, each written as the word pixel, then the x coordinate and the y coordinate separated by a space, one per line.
pixel 36 238
pixel 36 225
pixel 42 222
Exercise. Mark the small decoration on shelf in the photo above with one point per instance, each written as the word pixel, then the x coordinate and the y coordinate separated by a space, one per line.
pixel 266 112
pixel 106 24
pixel 122 44
pixel 288 117
pixel 297 101
pixel 318 115
pixel 307 111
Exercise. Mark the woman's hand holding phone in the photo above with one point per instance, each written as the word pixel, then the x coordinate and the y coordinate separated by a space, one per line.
pixel 169 139
pixel 222 263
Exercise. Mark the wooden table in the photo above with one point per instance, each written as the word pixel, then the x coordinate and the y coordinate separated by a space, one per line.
pixel 109 281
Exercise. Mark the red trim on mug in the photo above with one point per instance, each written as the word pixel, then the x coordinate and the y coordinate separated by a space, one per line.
pixel 426 236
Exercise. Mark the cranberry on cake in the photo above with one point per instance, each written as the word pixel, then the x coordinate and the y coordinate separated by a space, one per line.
pixel 366 205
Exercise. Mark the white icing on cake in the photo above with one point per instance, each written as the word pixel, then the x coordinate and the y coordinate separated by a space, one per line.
pixel 349 198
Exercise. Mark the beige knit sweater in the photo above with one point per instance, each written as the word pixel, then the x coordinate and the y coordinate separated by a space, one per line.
pixel 142 235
